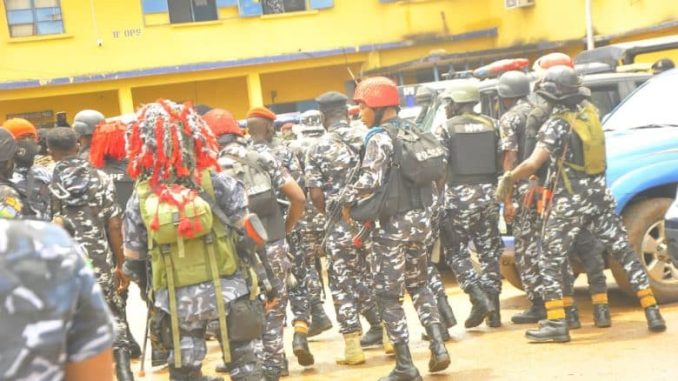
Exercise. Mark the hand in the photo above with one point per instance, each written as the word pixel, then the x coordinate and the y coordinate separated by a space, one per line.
pixel 505 187
pixel 509 212
pixel 123 280
pixel 346 214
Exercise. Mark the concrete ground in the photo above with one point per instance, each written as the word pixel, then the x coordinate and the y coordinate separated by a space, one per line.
pixel 626 351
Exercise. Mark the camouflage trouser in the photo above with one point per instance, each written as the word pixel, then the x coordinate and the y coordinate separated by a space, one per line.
pixel 117 303
pixel 435 282
pixel 402 265
pixel 571 214
pixel 347 270
pixel 308 291
pixel 589 251
pixel 272 353
pixel 477 222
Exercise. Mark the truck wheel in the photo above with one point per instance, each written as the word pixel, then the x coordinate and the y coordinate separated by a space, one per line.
pixel 644 221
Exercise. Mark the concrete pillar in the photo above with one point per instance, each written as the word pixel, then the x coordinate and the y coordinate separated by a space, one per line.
pixel 125 101
pixel 254 92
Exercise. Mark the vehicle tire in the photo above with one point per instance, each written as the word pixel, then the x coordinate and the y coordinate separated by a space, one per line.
pixel 644 221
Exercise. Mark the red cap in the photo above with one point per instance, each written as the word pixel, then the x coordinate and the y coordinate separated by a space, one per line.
pixel 222 122
pixel 261 112
pixel 377 92
pixel 20 128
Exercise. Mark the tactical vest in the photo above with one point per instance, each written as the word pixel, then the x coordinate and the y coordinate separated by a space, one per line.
pixel 260 193
pixel 522 110
pixel 182 261
pixel 587 140
pixel 473 156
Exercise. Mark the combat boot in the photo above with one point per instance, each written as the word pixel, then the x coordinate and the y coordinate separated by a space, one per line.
pixel 655 321
pixel 375 335
pixel 320 322
pixel 134 348
pixel 572 317
pixel 300 344
pixel 440 359
pixel 493 319
pixel 404 369
pixel 190 374
pixel 532 315
pixel 446 336
pixel 601 315
pixel 446 313
pixel 353 352
pixel 122 367
pixel 482 306
pixel 158 357
pixel 271 374
pixel 550 330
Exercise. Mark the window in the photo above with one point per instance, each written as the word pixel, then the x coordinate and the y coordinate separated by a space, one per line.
pixel 183 11
pixel 34 17
pixel 40 119
pixel 283 6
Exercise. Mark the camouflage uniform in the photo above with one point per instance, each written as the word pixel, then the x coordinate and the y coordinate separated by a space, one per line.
pixel 33 184
pixel 327 165
pixel 474 214
pixel 398 246
pixel 435 282
pixel 272 356
pixel 51 308
pixel 11 206
pixel 85 197
pixel 591 206
pixel 196 304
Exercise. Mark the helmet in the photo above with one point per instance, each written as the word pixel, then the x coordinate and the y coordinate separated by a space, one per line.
pixel 463 91
pixel 377 92
pixel 222 122
pixel 551 60
pixel 7 145
pixel 86 121
pixel 662 65
pixel 20 128
pixel 513 84
pixel 311 118
pixel 560 83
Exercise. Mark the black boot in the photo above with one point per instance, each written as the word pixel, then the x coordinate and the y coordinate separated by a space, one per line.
pixel 493 319
pixel 482 306
pixel 375 335
pixel 190 374
pixel 404 369
pixel 134 349
pixel 446 336
pixel 655 321
pixel 446 313
pixel 122 368
pixel 271 374
pixel 320 322
pixel 532 315
pixel 550 330
pixel 301 350
pixel 572 317
pixel 601 315
pixel 440 359
pixel 158 358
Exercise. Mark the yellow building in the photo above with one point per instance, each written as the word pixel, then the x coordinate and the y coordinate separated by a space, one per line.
pixel 113 55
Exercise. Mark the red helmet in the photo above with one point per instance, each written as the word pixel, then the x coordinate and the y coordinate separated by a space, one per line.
pixel 377 92
pixel 222 122
pixel 20 128
pixel 551 60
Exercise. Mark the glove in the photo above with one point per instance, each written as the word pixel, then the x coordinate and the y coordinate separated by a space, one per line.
pixel 504 187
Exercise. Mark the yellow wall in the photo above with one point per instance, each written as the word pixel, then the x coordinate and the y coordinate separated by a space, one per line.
pixel 104 101
pixel 297 85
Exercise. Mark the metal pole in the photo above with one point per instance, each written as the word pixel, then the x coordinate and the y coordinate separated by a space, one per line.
pixel 589 26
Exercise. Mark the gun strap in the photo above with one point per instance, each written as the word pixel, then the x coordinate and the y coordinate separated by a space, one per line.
pixel 221 308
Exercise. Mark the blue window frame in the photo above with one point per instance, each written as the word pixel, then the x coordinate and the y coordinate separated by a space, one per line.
pixel 27 18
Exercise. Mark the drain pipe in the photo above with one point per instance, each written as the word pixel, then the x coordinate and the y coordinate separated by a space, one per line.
pixel 590 44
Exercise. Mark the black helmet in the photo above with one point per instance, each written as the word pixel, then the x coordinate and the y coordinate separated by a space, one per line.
pixel 513 84
pixel 7 145
pixel 562 84
pixel 662 65
pixel 86 121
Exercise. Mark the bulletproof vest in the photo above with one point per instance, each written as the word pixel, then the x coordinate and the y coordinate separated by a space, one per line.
pixel 261 194
pixel 179 261
pixel 587 140
pixel 124 185
pixel 522 110
pixel 473 157
pixel 535 120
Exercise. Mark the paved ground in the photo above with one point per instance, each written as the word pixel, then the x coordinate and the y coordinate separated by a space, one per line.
pixel 627 351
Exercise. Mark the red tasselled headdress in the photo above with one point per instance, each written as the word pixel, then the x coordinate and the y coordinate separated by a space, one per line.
pixel 170 145
pixel 108 141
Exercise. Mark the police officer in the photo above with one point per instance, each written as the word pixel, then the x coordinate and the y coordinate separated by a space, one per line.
pixel 580 199
pixel 240 160
pixel 55 324
pixel 84 124
pixel 329 163
pixel 472 141
pixel 195 289
pixel 85 197
pixel 399 240
pixel 11 206
pixel 31 180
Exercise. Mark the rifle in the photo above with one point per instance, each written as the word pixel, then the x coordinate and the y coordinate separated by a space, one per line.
pixel 553 179
pixel 334 210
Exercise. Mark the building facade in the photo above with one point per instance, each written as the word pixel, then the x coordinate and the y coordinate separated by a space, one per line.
pixel 66 55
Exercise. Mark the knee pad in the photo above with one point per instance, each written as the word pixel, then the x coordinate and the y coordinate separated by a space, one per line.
pixel 245 319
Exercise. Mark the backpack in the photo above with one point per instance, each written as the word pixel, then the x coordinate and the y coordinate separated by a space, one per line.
pixel 422 157
pixel 588 140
